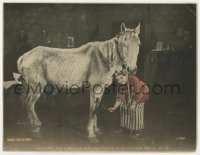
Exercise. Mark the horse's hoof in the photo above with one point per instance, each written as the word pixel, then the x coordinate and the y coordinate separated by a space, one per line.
pixel 99 132
pixel 93 140
pixel 36 135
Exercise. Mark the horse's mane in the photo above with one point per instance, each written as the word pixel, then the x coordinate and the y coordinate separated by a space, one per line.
pixel 106 48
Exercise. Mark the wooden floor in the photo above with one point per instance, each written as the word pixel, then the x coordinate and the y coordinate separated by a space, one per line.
pixel 170 125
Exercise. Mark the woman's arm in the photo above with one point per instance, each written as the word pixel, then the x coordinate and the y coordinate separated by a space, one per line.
pixel 117 103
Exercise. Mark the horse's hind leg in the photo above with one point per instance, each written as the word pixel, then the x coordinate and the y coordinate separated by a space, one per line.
pixel 90 128
pixel 32 116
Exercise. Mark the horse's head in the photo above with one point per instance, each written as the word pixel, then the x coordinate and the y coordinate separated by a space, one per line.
pixel 128 47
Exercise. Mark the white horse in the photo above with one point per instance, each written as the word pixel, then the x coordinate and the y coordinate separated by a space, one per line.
pixel 94 62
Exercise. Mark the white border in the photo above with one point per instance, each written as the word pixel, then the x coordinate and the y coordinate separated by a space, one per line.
pixel 92 1
pixel 101 1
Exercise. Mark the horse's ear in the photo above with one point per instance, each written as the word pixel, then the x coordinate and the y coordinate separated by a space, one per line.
pixel 123 27
pixel 137 29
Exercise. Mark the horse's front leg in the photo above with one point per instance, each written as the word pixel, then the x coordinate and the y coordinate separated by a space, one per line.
pixel 96 129
pixel 95 99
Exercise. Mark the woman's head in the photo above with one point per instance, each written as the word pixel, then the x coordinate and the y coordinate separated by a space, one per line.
pixel 121 79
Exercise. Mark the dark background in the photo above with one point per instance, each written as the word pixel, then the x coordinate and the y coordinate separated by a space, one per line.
pixel 167 116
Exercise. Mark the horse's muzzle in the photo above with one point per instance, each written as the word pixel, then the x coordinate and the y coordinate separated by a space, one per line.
pixel 133 71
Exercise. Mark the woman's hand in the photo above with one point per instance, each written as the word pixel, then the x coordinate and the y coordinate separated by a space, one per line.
pixel 134 105
pixel 111 109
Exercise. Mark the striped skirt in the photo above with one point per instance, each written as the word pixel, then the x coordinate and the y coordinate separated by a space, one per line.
pixel 132 119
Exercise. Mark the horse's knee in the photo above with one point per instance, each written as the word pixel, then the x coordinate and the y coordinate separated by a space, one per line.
pixel 97 103
pixel 97 100
pixel 30 108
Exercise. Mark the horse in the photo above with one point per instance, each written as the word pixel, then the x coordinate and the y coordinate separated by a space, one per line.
pixel 95 62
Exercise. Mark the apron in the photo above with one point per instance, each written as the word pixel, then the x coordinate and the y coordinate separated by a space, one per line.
pixel 132 117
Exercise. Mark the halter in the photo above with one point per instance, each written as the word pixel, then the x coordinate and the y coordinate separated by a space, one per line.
pixel 117 46
pixel 118 52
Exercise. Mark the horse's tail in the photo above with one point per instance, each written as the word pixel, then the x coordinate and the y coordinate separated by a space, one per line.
pixel 18 76
pixel 19 64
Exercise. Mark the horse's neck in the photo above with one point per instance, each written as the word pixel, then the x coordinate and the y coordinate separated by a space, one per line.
pixel 109 51
pixel 107 48
pixel 113 51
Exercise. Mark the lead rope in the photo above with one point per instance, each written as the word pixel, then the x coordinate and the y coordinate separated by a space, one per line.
pixel 129 92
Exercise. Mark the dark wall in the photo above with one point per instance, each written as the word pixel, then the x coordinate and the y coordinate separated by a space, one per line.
pixel 89 23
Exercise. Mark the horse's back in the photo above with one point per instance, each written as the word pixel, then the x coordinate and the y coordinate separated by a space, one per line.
pixel 56 65
pixel 40 54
